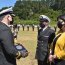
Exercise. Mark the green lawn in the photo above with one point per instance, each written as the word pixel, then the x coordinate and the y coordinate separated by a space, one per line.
pixel 29 40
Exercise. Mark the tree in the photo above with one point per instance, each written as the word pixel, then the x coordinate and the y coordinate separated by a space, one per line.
pixel 31 9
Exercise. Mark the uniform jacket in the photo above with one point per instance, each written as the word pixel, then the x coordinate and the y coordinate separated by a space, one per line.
pixel 42 43
pixel 7 49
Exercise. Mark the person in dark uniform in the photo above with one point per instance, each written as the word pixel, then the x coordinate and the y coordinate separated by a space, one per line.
pixel 8 53
pixel 37 27
pixel 18 26
pixel 55 27
pixel 43 40
pixel 27 27
pixel 23 26
pixel 58 51
pixel 15 31
pixel 33 27
pixel 14 26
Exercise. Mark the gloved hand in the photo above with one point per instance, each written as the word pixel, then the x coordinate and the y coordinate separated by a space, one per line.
pixel 18 55
pixel 21 50
pixel 24 53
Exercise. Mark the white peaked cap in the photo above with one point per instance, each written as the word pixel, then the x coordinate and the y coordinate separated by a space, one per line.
pixel 6 11
pixel 44 17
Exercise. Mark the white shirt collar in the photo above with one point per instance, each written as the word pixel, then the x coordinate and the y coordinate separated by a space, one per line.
pixel 45 28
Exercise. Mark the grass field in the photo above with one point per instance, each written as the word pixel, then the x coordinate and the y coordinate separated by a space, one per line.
pixel 29 41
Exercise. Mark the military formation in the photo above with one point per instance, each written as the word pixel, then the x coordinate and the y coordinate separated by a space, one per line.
pixel 50 48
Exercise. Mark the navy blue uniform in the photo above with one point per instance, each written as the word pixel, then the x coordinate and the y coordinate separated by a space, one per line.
pixel 42 46
pixel 7 49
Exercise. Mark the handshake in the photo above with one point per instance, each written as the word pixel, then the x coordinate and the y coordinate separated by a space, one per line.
pixel 22 51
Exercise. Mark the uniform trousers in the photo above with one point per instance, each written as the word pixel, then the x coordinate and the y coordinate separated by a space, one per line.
pixel 44 62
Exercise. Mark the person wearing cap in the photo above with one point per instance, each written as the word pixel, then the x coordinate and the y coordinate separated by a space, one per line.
pixel 58 51
pixel 8 53
pixel 15 31
pixel 45 37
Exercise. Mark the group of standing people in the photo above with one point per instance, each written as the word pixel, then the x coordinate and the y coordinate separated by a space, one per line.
pixel 50 47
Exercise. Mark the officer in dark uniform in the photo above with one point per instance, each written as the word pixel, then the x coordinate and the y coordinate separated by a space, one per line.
pixel 23 26
pixel 33 27
pixel 27 27
pixel 55 27
pixel 15 31
pixel 8 53
pixel 14 26
pixel 44 38
pixel 18 26
pixel 37 27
